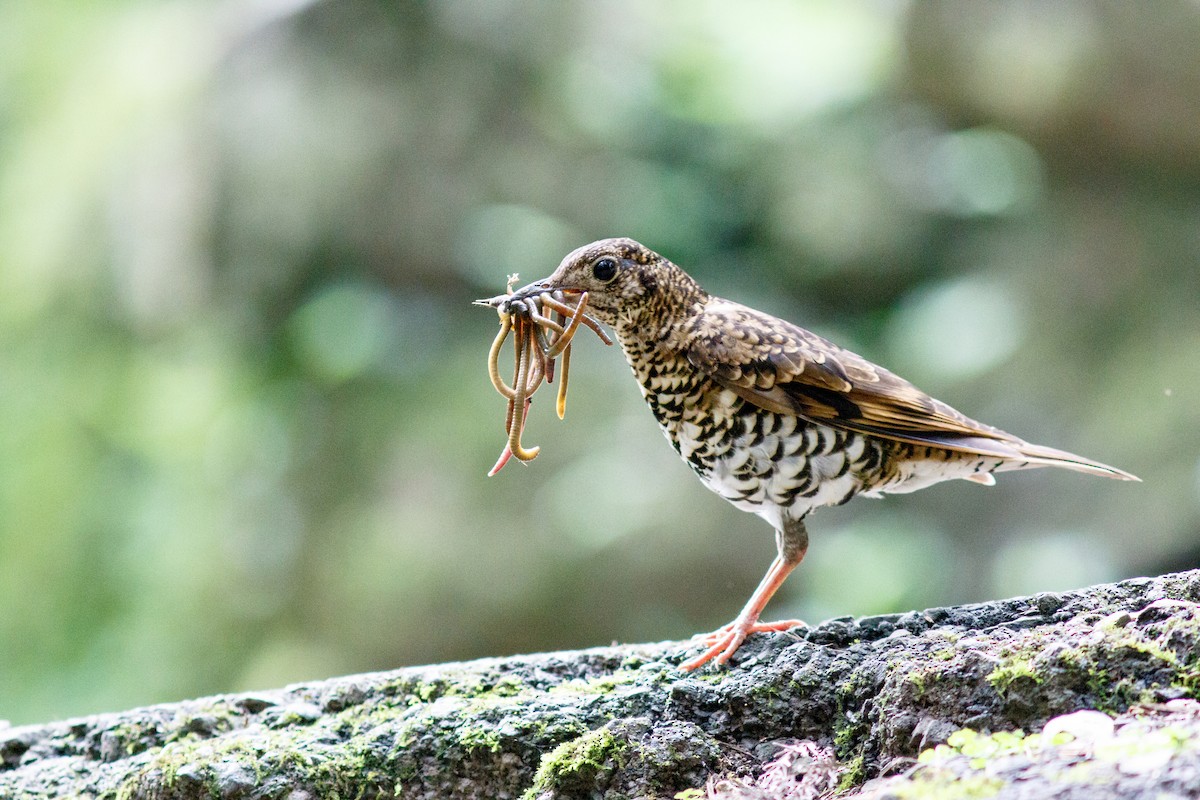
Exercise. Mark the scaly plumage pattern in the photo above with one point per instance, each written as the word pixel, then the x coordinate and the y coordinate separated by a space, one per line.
pixel 774 418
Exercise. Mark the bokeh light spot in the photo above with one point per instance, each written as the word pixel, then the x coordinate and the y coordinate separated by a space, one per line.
pixel 1048 561
pixel 501 239
pixel 955 330
pixel 854 570
pixel 984 172
pixel 343 331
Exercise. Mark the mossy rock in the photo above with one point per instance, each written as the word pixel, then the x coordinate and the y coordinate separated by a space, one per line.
pixel 878 704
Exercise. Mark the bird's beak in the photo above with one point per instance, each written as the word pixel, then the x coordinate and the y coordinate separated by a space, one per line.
pixel 537 287
pixel 529 290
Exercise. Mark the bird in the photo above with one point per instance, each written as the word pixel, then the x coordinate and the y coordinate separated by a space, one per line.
pixel 774 418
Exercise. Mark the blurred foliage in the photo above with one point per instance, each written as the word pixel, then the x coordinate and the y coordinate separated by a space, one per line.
pixel 244 417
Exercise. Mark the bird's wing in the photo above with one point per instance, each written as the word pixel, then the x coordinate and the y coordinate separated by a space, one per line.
pixel 784 368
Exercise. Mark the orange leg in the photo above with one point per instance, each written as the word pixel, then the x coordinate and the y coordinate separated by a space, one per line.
pixel 723 643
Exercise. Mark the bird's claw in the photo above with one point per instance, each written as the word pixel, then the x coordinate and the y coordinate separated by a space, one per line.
pixel 724 642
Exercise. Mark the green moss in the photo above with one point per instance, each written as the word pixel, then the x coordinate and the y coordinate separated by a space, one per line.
pixel 845 737
pixel 428 692
pixel 479 739
pixel 578 763
pixel 713 677
pixel 1011 670
pixel 134 737
pixel 168 765
pixel 339 756
pixel 1168 647
pixel 766 691
pixel 217 719
pixel 850 737
pixel 1171 642
pixel 854 775
pixel 1121 659
pixel 507 687
pixel 599 685
pixel 1151 648
pixel 849 741
pixel 411 691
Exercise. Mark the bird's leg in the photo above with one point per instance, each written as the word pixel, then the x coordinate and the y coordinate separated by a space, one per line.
pixel 792 541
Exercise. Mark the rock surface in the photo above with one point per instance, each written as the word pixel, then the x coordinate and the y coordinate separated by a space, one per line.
pixel 898 706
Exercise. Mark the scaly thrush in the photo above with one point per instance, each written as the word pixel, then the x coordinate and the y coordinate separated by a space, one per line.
pixel 773 418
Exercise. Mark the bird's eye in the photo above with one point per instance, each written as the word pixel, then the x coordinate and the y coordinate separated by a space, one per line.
pixel 604 270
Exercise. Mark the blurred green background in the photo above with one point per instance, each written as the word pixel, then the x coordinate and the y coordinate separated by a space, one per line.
pixel 244 415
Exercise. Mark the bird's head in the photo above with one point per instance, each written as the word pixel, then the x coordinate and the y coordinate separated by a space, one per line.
pixel 624 280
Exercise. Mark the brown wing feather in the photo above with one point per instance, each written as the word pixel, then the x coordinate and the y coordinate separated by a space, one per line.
pixel 784 368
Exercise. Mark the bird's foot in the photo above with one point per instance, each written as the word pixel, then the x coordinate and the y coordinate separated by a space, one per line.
pixel 725 641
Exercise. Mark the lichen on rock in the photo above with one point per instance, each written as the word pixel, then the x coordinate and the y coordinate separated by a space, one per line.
pixel 890 706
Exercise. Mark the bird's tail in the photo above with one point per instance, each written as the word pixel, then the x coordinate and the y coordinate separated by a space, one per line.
pixel 1037 455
